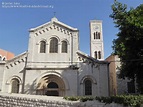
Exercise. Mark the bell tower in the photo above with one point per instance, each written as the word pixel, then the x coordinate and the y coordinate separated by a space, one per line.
pixel 96 40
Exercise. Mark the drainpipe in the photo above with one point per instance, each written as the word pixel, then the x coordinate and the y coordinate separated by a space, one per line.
pixel 108 71
pixel 71 49
pixel 24 73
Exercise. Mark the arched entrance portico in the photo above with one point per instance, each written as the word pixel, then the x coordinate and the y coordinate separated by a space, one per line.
pixel 51 85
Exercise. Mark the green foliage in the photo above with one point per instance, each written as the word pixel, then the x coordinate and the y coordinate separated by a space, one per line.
pixel 84 99
pixel 71 98
pixel 126 100
pixel 129 43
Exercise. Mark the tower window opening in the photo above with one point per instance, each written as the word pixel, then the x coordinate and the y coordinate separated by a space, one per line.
pixel 95 54
pixel 94 34
pixel 99 54
pixel 98 35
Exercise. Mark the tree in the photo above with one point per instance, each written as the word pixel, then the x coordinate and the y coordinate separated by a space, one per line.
pixel 129 43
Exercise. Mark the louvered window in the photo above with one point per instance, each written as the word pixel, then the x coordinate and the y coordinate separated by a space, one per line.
pixel 54 45
pixel 64 47
pixel 15 86
pixel 42 47
pixel 88 87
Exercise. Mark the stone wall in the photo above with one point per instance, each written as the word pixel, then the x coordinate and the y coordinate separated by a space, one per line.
pixel 22 100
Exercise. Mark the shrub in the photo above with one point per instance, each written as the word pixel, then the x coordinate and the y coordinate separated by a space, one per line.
pixel 86 98
pixel 126 100
pixel 71 98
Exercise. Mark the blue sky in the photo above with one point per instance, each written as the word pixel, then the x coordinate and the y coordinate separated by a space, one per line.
pixel 15 22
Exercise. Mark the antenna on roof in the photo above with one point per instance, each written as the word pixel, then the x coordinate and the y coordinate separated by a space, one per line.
pixel 54 14
pixel 54 18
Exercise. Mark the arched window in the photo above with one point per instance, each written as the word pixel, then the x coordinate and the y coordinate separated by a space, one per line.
pixel 42 47
pixel 88 87
pixel 99 55
pixel 52 89
pixel 14 86
pixel 95 54
pixel 64 47
pixel 53 85
pixel 54 45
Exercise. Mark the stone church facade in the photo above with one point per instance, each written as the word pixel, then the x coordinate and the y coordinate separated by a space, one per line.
pixel 54 65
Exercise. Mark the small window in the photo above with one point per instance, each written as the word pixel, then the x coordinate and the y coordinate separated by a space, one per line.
pixel 42 47
pixel 15 86
pixel 54 45
pixel 64 47
pixel 88 87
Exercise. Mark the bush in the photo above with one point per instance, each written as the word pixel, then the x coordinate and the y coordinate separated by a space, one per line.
pixel 126 100
pixel 88 98
pixel 71 98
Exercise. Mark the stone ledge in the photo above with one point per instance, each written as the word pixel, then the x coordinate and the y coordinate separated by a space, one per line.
pixel 23 100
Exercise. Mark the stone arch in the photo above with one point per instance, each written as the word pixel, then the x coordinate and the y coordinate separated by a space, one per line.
pixel 42 39
pixel 88 77
pixel 14 80
pixel 65 40
pixel 51 78
pixel 53 36
pixel 87 85
pixel 14 77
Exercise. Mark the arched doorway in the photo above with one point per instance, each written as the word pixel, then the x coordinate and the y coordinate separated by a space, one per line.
pixel 52 89
pixel 88 87
pixel 51 85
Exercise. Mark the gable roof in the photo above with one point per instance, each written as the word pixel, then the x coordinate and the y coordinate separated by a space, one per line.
pixel 17 58
pixel 82 54
pixel 55 21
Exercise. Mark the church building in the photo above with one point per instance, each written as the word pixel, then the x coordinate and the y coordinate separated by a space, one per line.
pixel 54 65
